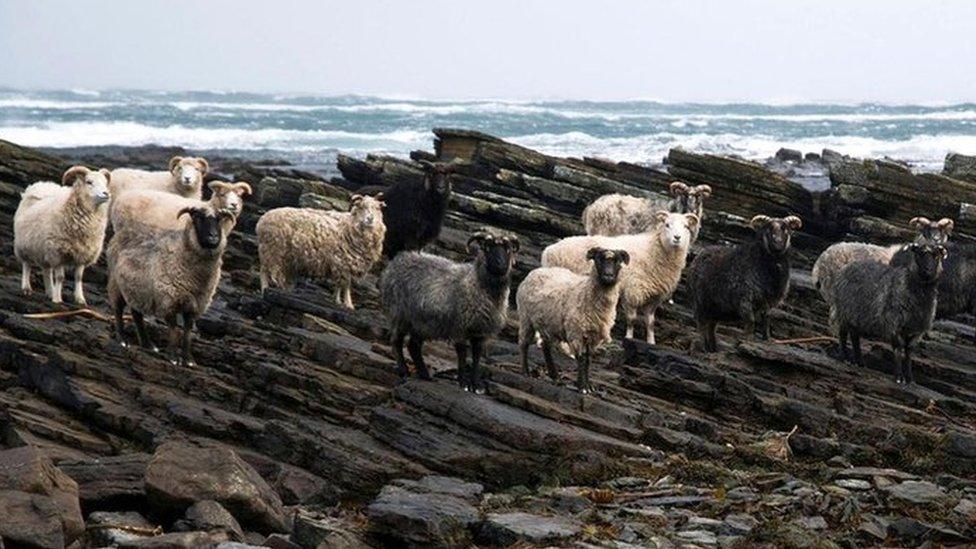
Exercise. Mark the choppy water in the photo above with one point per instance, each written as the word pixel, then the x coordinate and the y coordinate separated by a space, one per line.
pixel 312 127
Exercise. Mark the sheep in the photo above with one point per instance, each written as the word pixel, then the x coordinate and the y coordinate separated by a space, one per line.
pixel 656 261
pixel 957 285
pixel 744 281
pixel 158 209
pixel 61 226
pixel 572 309
pixel 896 303
pixel 833 260
pixel 430 297
pixel 343 246
pixel 185 178
pixel 415 212
pixel 169 274
pixel 618 214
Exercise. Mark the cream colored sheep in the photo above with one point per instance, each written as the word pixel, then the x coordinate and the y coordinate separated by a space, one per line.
pixel 158 209
pixel 617 214
pixel 656 261
pixel 305 242
pixel 185 178
pixel 169 274
pixel 833 260
pixel 571 309
pixel 61 226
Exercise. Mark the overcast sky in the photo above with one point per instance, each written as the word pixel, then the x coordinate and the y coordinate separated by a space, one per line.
pixel 682 50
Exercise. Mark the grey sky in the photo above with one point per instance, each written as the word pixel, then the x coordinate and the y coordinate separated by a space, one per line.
pixel 892 51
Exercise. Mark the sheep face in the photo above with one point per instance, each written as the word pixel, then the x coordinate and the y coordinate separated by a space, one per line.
pixel 207 226
pixel 676 228
pixel 230 196
pixel 932 232
pixel 496 252
pixel 188 172
pixel 437 178
pixel 94 184
pixel 775 233
pixel 367 210
pixel 607 264
pixel 690 199
pixel 928 260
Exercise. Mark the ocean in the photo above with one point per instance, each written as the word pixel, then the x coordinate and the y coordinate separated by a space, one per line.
pixel 311 129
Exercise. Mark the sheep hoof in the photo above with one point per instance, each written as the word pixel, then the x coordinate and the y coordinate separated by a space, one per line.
pixel 123 344
pixel 480 390
pixel 27 292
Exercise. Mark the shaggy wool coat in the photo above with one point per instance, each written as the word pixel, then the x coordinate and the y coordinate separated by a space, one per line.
pixel 56 226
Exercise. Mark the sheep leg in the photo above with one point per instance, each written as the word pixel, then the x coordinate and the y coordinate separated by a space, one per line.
pixel 631 320
pixel 583 370
pixel 856 345
pixel 899 367
pixel 550 363
pixel 523 344
pixel 748 315
pixel 140 321
pixel 765 331
pixel 649 313
pixel 706 329
pixel 907 363
pixel 348 295
pixel 57 284
pixel 416 346
pixel 25 275
pixel 48 275
pixel 842 337
pixel 477 351
pixel 338 294
pixel 186 356
pixel 79 285
pixel 461 348
pixel 172 338
pixel 397 336
pixel 119 323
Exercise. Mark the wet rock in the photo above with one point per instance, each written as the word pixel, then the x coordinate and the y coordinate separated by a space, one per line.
pixel 210 516
pixel 111 482
pixel 960 166
pixel 180 475
pixel 874 526
pixel 918 492
pixel 449 486
pixel 402 516
pixel 280 541
pixel 27 469
pixel 739 524
pixel 853 484
pixel 698 537
pixel 703 523
pixel 791 155
pixel 504 529
pixel 313 531
pixel 107 528
pixel 812 523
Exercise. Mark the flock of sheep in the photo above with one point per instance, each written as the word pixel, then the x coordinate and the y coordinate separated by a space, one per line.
pixel 164 260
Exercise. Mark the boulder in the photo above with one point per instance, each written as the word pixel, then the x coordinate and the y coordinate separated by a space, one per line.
pixel 106 528
pixel 504 529
pixel 177 540
pixel 960 166
pixel 111 482
pixel 312 531
pixel 917 492
pixel 399 515
pixel 27 469
pixel 181 474
pixel 210 516
pixel 789 155
pixel 31 520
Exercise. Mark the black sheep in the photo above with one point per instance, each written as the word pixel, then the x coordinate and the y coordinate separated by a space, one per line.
pixel 894 302
pixel 957 285
pixel 744 281
pixel 415 211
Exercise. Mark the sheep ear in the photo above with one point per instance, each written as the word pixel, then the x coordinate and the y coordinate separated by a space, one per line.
pixel 624 256
pixel 918 222
pixel 946 225
pixel 513 241
pixel 73 173
pixel 661 216
pixel 943 251
pixel 593 252
pixel 692 220
pixel 174 162
pixel 793 222
pixel 242 188
pixel 759 221
pixel 355 199
pixel 678 188
pixel 476 238
pixel 202 164
pixel 703 190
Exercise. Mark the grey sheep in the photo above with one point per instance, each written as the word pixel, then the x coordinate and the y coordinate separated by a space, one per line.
pixel 619 214
pixel 742 282
pixel 833 260
pixel 565 307
pixel 894 303
pixel 430 297
pixel 957 285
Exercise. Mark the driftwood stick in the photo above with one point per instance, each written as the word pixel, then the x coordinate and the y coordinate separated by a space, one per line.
pixel 142 530
pixel 77 312
pixel 813 339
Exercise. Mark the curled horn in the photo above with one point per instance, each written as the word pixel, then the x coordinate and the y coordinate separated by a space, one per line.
pixel 702 190
pixel 593 252
pixel 214 185
pixel 174 162
pixel 678 188
pixel 661 216
pixel 692 220
pixel 379 196
pixel 513 241
pixel 946 225
pixel 478 237
pixel 187 210
pixel 758 221
pixel 107 174
pixel 919 222
pixel 202 164
pixel 73 172
pixel 242 188
pixel 794 222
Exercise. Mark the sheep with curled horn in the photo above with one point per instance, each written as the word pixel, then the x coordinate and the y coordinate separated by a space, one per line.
pixel 619 214
pixel 157 209
pixel 184 177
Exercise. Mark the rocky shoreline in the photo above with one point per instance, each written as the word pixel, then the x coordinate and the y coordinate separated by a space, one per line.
pixel 294 432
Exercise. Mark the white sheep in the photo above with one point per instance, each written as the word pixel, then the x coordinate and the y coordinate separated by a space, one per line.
pixel 618 214
pixel 838 256
pixel 306 242
pixel 158 208
pixel 656 261
pixel 571 309
pixel 185 178
pixel 169 274
pixel 61 226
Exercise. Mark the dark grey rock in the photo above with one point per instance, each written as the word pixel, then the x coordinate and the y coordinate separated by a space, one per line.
pixel 789 155
pixel 918 492
pixel 505 529
pixel 313 531
pixel 402 516
pixel 134 527
pixel 450 486
pixel 210 516
pixel 739 523
pixel 28 469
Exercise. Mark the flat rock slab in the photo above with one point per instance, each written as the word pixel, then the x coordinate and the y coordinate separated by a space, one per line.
pixel 177 540
pixel 450 486
pixel 109 483
pixel 421 519
pixel 509 528
pixel 107 528
pixel 30 520
pixel 918 492
pixel 27 469
pixel 181 474
pixel 319 532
